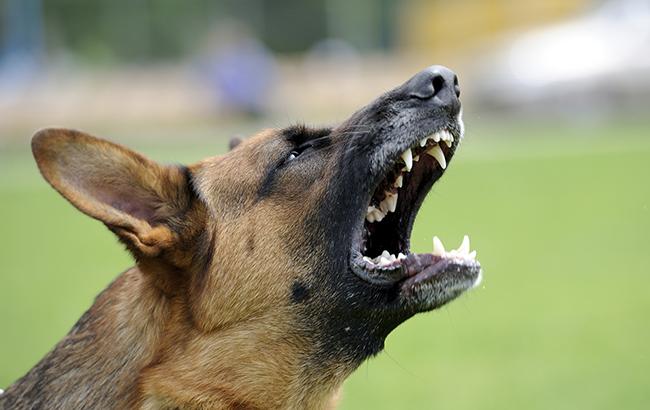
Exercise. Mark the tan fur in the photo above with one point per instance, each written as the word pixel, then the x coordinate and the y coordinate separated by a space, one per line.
pixel 173 332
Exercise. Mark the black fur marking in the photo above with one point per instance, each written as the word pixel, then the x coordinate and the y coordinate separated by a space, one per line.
pixel 300 134
pixel 299 292
pixel 266 187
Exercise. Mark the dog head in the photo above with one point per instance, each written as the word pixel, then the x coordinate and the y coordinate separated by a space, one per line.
pixel 301 232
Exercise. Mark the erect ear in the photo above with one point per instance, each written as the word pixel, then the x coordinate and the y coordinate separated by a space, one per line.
pixel 234 142
pixel 134 196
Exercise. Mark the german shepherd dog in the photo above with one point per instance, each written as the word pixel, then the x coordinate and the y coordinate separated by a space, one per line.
pixel 264 276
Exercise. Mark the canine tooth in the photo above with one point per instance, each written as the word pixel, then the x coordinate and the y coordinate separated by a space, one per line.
pixel 464 246
pixel 449 143
pixel 438 248
pixel 423 141
pixel 472 255
pixel 401 256
pixel 436 137
pixel 436 152
pixel 407 156
pixel 398 182
pixel 367 259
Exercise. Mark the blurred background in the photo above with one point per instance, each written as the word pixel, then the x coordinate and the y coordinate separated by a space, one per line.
pixel 552 182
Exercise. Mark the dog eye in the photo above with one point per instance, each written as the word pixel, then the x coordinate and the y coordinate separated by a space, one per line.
pixel 295 153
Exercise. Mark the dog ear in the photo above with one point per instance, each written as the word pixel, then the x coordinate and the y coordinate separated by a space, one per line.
pixel 234 142
pixel 134 196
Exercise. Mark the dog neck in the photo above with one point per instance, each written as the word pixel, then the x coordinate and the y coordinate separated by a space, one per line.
pixel 137 347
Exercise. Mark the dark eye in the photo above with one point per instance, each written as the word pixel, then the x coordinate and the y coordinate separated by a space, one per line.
pixel 295 153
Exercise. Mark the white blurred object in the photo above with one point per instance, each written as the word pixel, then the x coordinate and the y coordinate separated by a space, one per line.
pixel 605 52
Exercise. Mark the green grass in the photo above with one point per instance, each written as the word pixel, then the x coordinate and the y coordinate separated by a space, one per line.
pixel 561 223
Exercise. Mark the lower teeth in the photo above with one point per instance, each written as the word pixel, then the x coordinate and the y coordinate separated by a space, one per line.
pixel 385 258
pixel 462 252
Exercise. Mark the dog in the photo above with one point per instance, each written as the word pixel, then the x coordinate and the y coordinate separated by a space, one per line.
pixel 264 277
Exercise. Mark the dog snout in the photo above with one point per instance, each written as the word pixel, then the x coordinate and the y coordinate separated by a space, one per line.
pixel 438 84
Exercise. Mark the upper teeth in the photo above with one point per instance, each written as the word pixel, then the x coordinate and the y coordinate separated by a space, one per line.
pixel 374 214
pixel 389 204
pixel 407 156
pixel 442 135
pixel 437 153
pixel 463 250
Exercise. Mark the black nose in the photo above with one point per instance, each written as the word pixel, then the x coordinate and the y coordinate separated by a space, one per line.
pixel 436 82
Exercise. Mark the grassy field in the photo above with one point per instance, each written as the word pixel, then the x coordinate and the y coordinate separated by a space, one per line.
pixel 561 222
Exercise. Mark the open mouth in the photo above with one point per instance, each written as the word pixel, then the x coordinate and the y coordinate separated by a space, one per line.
pixel 382 255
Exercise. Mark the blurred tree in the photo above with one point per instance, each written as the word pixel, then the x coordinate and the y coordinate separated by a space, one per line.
pixel 105 31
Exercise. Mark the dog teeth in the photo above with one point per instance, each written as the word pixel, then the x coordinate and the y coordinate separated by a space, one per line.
pixel 442 135
pixel 464 246
pixel 463 250
pixel 389 204
pixel 370 214
pixel 398 181
pixel 407 156
pixel 436 152
pixel 438 247
pixel 374 215
pixel 401 256
pixel 393 202
pixel 385 258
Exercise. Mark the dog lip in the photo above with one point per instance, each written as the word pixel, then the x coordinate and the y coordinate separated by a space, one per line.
pixel 417 270
pixel 386 275
pixel 423 268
